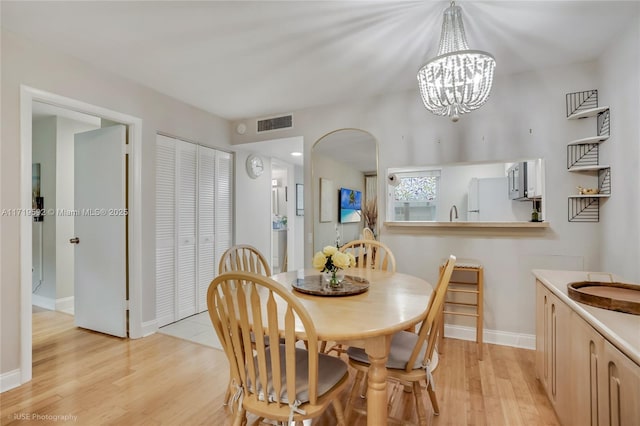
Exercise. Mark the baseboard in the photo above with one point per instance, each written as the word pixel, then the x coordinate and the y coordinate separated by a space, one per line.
pixel 64 303
pixel 149 327
pixel 496 337
pixel 10 380
pixel 43 302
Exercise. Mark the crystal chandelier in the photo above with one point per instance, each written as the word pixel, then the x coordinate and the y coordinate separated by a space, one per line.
pixel 458 80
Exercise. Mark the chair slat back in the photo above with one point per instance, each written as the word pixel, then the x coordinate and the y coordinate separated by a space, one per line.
pixel 367 234
pixel 245 304
pixel 371 254
pixel 243 257
pixel 430 325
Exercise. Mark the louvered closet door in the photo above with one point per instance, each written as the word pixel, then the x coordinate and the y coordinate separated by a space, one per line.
pixel 165 230
pixel 206 223
pixel 186 226
pixel 194 224
pixel 223 204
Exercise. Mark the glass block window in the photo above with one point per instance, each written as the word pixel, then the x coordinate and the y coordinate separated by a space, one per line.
pixel 415 197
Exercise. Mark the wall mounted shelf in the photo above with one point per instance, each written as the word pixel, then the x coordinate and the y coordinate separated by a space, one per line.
pixel 587 168
pixel 584 208
pixel 583 155
pixel 589 140
pixel 590 196
pixel 586 113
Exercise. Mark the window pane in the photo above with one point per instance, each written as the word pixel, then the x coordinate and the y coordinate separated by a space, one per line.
pixel 416 196
pixel 423 188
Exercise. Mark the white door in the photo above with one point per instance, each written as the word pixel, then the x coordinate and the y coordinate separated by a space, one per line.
pixel 100 259
pixel 473 203
pixel 494 204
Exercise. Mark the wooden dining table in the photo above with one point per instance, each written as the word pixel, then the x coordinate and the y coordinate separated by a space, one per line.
pixel 393 302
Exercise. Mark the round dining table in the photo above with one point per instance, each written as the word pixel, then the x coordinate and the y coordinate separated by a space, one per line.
pixel 393 302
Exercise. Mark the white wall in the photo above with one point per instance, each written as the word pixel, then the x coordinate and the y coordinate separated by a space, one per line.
pixel 524 118
pixel 44 152
pixel 619 87
pixel 253 205
pixel 342 176
pixel 25 62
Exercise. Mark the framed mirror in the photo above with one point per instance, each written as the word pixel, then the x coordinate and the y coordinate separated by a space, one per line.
pixel 343 162
pixel 509 191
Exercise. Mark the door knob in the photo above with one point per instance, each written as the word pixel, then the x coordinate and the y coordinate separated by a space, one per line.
pixel 75 240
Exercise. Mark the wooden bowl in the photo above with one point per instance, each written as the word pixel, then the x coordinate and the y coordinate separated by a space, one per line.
pixel 620 297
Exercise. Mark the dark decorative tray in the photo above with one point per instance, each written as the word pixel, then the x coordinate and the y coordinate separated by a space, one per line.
pixel 613 296
pixel 316 286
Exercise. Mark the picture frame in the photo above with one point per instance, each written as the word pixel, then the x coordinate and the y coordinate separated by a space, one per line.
pixel 299 199
pixel 326 200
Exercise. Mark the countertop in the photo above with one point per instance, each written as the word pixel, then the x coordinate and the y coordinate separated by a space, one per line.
pixel 622 330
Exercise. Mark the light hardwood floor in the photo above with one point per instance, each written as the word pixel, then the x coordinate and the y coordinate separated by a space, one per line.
pixel 163 380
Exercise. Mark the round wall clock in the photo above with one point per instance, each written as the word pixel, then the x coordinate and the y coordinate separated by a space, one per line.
pixel 255 166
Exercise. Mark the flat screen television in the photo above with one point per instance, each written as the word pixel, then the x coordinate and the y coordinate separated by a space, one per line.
pixel 350 205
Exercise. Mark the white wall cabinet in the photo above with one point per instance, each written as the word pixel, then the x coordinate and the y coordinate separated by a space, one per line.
pixel 193 224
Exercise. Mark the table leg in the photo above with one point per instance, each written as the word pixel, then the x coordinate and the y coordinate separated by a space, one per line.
pixel 378 351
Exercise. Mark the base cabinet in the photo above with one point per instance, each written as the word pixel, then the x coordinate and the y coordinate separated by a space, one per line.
pixel 588 380
pixel 552 346
pixel 587 353
pixel 619 401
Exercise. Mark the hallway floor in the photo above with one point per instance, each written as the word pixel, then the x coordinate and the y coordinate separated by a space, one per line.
pixel 196 328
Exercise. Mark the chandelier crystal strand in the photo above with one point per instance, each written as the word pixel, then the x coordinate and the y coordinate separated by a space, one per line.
pixel 458 80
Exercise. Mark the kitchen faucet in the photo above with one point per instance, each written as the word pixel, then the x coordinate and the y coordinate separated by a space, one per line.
pixel 451 213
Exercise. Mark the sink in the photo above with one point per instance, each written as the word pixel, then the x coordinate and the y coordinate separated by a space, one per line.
pixel 620 297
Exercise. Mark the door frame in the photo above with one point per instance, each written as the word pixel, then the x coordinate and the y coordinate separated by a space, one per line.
pixel 134 131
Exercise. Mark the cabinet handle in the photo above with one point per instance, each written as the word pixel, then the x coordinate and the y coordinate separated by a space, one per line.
pixel 554 372
pixel 614 396
pixel 593 379
pixel 547 333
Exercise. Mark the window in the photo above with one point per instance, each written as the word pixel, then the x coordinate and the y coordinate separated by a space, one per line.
pixel 413 196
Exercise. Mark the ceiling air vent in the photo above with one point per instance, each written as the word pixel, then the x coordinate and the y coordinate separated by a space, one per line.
pixel 275 123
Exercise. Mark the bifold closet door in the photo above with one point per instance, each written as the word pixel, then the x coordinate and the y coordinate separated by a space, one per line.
pixel 176 189
pixel 165 230
pixel 186 226
pixel 206 222
pixel 194 224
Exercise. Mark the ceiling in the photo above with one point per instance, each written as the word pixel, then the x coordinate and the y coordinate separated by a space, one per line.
pixel 242 59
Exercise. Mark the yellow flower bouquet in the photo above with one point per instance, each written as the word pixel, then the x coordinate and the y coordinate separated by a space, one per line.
pixel 332 261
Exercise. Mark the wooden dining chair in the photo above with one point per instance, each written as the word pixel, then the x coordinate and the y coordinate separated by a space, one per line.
pixel 367 234
pixel 243 257
pixel 371 254
pixel 279 382
pixel 412 357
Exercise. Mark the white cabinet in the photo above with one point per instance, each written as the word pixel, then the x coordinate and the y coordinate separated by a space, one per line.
pixel 552 349
pixel 193 224
pixel 279 251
